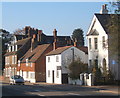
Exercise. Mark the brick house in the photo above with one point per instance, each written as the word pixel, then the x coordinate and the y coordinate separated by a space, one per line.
pixel 14 52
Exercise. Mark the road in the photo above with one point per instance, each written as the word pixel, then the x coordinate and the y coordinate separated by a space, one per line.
pixel 55 90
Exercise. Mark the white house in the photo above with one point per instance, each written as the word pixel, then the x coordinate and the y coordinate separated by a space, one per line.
pixel 98 37
pixel 57 62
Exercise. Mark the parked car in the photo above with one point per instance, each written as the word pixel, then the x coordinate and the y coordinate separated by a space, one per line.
pixel 16 79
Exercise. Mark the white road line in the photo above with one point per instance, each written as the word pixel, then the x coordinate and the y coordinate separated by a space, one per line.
pixel 37 94
pixel 73 94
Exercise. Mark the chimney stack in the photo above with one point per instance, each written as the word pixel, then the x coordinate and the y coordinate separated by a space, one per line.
pixel 33 42
pixel 75 43
pixel 39 35
pixel 55 39
pixel 104 9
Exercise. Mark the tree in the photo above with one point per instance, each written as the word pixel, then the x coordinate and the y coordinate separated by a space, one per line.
pixel 76 68
pixel 78 35
pixel 3 40
pixel 114 32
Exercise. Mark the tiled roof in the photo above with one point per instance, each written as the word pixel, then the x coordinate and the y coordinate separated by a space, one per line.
pixel 10 53
pixel 58 50
pixel 83 48
pixel 23 41
pixel 35 54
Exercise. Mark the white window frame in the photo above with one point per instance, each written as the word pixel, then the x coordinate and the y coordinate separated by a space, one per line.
pixel 57 58
pixel 90 44
pixel 48 59
pixel 96 43
pixel 13 59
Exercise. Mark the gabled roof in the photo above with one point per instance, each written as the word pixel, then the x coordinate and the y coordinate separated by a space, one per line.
pixel 19 42
pixel 23 41
pixel 58 50
pixel 35 54
pixel 104 20
pixel 19 37
pixel 10 53
pixel 83 48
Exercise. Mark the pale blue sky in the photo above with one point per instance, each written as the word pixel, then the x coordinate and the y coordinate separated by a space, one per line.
pixel 64 16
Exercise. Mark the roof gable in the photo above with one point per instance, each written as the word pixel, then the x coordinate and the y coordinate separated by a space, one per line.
pixel 33 55
pixel 58 50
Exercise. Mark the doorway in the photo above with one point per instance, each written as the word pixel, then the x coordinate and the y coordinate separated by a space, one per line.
pixel 53 76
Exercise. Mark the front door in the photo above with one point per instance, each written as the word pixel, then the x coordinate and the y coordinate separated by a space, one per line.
pixel 53 76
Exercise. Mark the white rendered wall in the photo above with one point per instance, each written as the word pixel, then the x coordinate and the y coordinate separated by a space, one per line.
pixel 100 52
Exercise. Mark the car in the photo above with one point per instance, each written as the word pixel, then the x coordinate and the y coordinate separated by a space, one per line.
pixel 16 79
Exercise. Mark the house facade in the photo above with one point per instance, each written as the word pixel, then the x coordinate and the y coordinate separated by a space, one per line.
pixel 14 52
pixel 32 65
pixel 57 62
pixel 98 39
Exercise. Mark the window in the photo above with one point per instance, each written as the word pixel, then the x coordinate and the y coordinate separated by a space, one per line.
pixel 57 58
pixel 12 48
pixel 103 41
pixel 18 62
pixel 48 59
pixel 13 60
pixel 32 75
pixel 57 73
pixel 26 62
pixel 90 62
pixel 90 43
pixel 15 47
pixel 48 73
pixel 27 74
pixel 96 43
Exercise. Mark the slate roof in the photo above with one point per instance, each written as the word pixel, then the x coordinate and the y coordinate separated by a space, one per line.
pixel 58 50
pixel 19 37
pixel 23 41
pixel 19 42
pixel 83 48
pixel 35 54
pixel 104 19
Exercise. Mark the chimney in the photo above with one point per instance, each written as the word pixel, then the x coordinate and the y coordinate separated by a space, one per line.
pixel 75 43
pixel 104 9
pixel 33 42
pixel 55 33
pixel 26 30
pixel 39 35
pixel 55 39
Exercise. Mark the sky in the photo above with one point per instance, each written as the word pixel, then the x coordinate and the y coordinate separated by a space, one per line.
pixel 47 16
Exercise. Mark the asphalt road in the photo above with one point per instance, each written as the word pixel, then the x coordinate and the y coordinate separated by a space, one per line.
pixel 55 90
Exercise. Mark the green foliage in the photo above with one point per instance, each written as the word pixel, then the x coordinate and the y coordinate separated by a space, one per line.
pixel 76 68
pixel 78 35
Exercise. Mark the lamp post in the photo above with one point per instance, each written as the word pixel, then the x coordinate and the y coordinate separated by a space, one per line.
pixel 72 54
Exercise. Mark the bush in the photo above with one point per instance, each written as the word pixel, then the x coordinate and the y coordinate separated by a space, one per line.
pixel 76 68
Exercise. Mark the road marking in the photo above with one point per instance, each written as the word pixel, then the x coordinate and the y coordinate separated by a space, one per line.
pixel 40 95
pixel 37 94
pixel 74 94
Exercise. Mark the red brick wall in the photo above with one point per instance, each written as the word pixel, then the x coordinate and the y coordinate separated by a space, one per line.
pixel 41 66
pixel 26 68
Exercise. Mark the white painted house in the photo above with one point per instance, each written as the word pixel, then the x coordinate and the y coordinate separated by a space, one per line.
pixel 98 37
pixel 58 60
